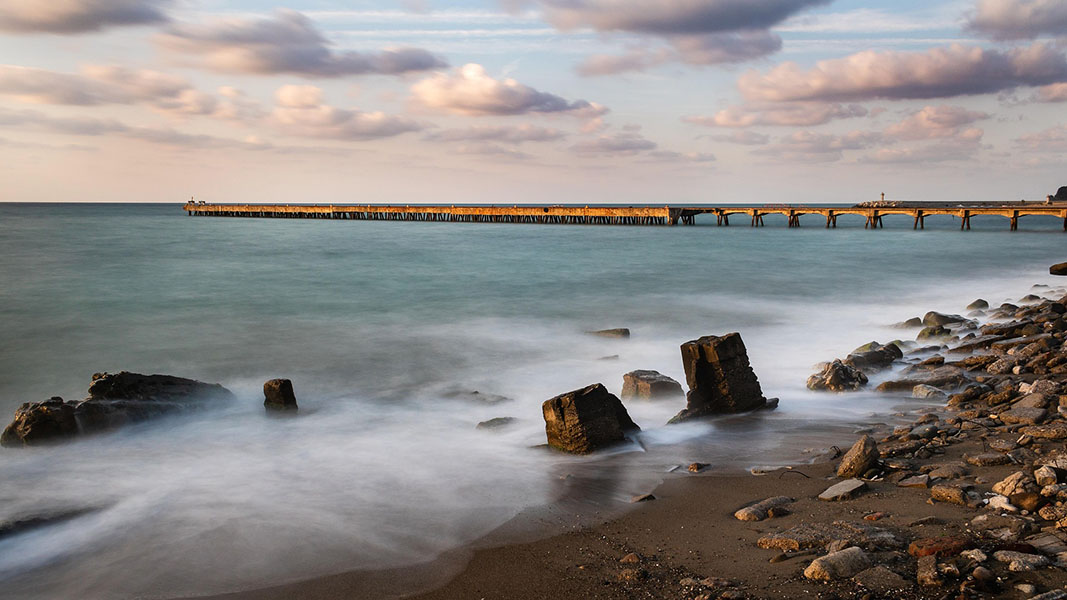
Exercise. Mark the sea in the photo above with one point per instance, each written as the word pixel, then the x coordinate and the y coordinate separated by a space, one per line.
pixel 386 329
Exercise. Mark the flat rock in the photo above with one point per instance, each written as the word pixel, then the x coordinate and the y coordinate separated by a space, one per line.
pixel 838 565
pixel 926 572
pixel 817 535
pixel 949 471
pixel 927 391
pixel 1021 415
pixel 881 580
pixel 1050 431
pixel 618 332
pixel 987 459
pixel 761 510
pixel 1004 528
pixel 1021 561
pixel 843 490
pixel 649 385
pixel 496 423
pixel 941 546
pixel 917 481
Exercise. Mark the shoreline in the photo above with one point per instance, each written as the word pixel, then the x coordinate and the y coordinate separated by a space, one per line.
pixel 687 544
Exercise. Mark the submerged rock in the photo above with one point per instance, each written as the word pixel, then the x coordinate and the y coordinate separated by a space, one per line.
pixel 649 385
pixel 496 423
pixel 278 395
pixel 114 400
pixel 618 332
pixel 1058 269
pixel 720 377
pixel 837 377
pixel 934 318
pixel 874 357
pixel 585 420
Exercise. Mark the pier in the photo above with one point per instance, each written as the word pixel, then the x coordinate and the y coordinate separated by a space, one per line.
pixel 873 213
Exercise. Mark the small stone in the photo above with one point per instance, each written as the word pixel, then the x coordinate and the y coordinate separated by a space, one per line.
pixel 875 516
pixel 983 574
pixel 632 574
pixel 918 481
pixel 881 580
pixel 631 558
pixel 497 423
pixel 697 467
pixel 1021 561
pixel 619 332
pixel 927 391
pixel 760 510
pixel 941 546
pixel 862 456
pixel 954 494
pixel 1028 501
pixel 976 555
pixel 1046 476
pixel 1053 595
pixel 642 498
pixel 1026 588
pixel 1001 503
pixel 926 572
pixel 838 565
pixel 987 459
pixel 843 490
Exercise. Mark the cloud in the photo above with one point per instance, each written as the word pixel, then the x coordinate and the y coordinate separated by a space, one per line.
pixel 1056 92
pixel 936 73
pixel 801 114
pixel 1019 19
pixel 706 49
pixel 95 85
pixel 935 122
pixel 487 149
pixel 924 154
pixel 505 134
pixel 620 144
pixel 744 138
pixel 301 111
pixel 469 90
pixel 681 157
pixel 286 42
pixel 78 16
pixel 811 146
pixel 598 65
pixel 1053 139
pixel 669 17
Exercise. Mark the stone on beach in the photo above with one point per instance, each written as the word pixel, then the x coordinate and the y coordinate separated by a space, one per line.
pixel 114 400
pixel 881 580
pixel 837 377
pixel 874 357
pixel 649 385
pixel 956 494
pixel 916 481
pixel 720 377
pixel 817 535
pixel 278 395
pixel 926 572
pixel 838 565
pixel 860 458
pixel 927 391
pixel 941 546
pixel 585 420
pixel 934 318
pixel 843 490
pixel 1021 561
pixel 762 509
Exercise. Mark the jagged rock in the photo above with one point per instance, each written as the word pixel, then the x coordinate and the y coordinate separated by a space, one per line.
pixel 843 490
pixel 1016 483
pixel 838 565
pixel 1021 561
pixel 955 494
pixel 945 377
pixel 1058 269
pixel 881 580
pixel 114 400
pixel 860 458
pixel 927 391
pixel 934 318
pixel 1045 476
pixel 760 510
pixel 817 535
pixel 649 385
pixel 720 377
pixel 278 395
pixel 837 377
pixel 874 357
pixel 1046 387
pixel 585 420
pixel 618 332
pixel 926 571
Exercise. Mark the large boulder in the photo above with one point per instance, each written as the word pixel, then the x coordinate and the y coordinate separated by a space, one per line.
pixel 114 400
pixel 1058 269
pixel 278 395
pixel 837 377
pixel 585 420
pixel 875 357
pixel 720 377
pixel 934 318
pixel 649 385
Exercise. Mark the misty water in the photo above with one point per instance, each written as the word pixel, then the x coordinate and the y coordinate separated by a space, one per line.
pixel 385 329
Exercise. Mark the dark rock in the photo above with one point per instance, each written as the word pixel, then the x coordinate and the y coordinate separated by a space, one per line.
pixel 649 385
pixel 874 358
pixel 22 524
pixel 720 377
pixel 881 580
pixel 619 332
pixel 114 400
pixel 585 420
pixel 942 546
pixel 935 331
pixel 914 322
pixel 945 377
pixel 278 395
pixel 978 304
pixel 933 318
pixel 1058 269
pixel 861 457
pixel 496 423
pixel 817 535
pixel 837 377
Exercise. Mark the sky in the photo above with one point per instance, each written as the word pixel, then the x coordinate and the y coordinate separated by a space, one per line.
pixel 532 101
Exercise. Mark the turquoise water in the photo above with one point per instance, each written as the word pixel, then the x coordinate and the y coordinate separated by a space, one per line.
pixel 380 325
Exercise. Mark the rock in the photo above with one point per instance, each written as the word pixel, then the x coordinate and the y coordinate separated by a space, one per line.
pixel 1021 415
pixel 1051 431
pixel 926 571
pixel 1016 483
pixel 860 458
pixel 874 357
pixel 1046 476
pixel 927 391
pixel 21 523
pixel 719 376
pixel 1058 269
pixel 955 494
pixel 843 490
pixel 978 304
pixel 630 559
pixel 945 377
pixel 619 332
pixel 934 318
pixel 911 323
pixel 496 423
pixel 1033 400
pixel 585 420
pixel 918 481
pixel 1041 386
pixel 649 385
pixel 976 555
pixel 838 565
pixel 759 511
pixel 1028 501
pixel 837 377
pixel 881 580
pixel 476 396
pixel 1051 595
pixel 942 546
pixel 642 498
pixel 114 400
pixel 987 459
pixel 1000 527
pixel 929 333
pixel 817 535
pixel 898 448
pixel 278 395
pixel 1021 561
pixel 1001 503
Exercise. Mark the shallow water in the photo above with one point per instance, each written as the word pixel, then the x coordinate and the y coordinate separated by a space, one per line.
pixel 383 328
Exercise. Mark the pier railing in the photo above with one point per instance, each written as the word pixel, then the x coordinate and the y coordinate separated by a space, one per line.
pixel 626 215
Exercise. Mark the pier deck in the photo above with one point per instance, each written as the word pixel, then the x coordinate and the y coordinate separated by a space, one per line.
pixel 630 215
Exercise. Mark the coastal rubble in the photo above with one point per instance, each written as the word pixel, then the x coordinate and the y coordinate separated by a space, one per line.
pixel 114 400
pixel 837 377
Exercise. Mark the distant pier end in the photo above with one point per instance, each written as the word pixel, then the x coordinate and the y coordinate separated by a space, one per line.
pixel 630 215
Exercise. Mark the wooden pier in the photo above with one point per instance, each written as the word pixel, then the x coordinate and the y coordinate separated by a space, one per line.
pixel 631 215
